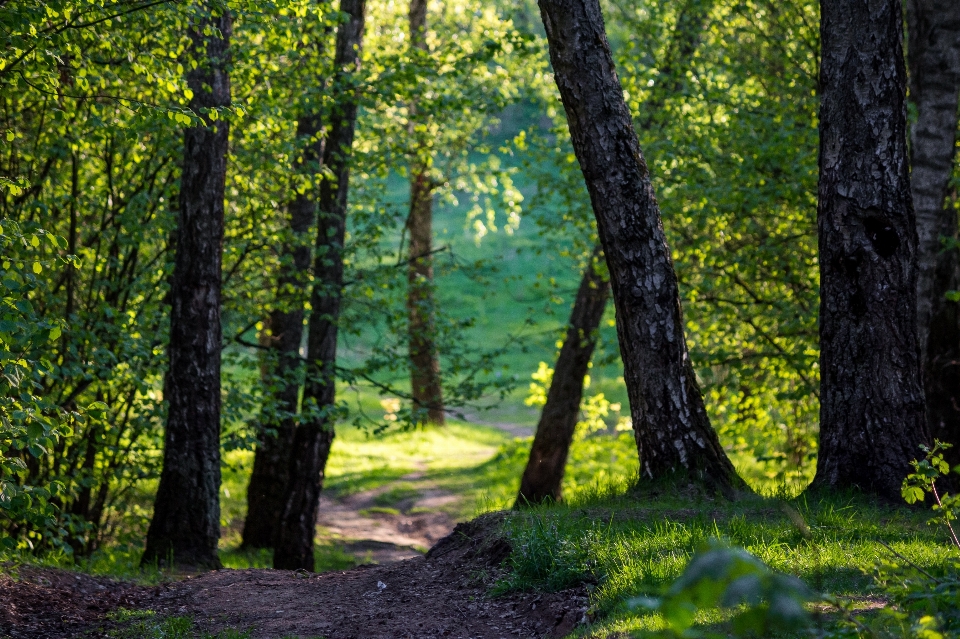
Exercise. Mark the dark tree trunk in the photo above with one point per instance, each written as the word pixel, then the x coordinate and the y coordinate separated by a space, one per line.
pixel 671 425
pixel 425 383
pixel 543 475
pixel 268 481
pixel 312 439
pixel 186 516
pixel 871 401
pixel 934 54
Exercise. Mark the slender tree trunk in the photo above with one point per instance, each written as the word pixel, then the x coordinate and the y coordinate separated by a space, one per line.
pixel 543 475
pixel 186 517
pixel 934 54
pixel 671 425
pixel 312 439
pixel 871 401
pixel 425 383
pixel 268 481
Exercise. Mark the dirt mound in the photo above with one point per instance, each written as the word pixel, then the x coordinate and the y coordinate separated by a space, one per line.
pixel 55 604
pixel 441 595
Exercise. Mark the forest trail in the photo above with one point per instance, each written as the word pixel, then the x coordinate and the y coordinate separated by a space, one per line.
pixel 401 518
pixel 373 533
pixel 443 594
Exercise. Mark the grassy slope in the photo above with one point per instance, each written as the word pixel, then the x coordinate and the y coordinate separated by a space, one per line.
pixel 630 545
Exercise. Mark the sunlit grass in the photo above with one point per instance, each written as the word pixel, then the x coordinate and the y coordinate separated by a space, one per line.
pixel 638 543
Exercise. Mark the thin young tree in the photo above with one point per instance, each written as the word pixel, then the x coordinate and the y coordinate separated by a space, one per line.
pixel 314 436
pixel 425 382
pixel 673 432
pixel 185 527
pixel 543 475
pixel 933 29
pixel 871 400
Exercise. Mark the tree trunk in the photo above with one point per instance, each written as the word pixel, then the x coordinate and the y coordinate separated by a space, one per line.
pixel 186 518
pixel 312 439
pixel 425 383
pixel 671 425
pixel 271 463
pixel 871 401
pixel 934 54
pixel 543 475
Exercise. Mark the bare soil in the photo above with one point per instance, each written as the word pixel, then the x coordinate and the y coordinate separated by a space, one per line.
pixel 442 594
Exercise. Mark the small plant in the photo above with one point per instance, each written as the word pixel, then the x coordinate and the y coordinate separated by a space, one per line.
pixel 923 480
pixel 719 576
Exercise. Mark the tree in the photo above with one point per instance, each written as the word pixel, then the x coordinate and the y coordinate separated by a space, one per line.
pixel 284 330
pixel 933 29
pixel 871 410
pixel 544 472
pixel 426 389
pixel 186 519
pixel 314 436
pixel 672 429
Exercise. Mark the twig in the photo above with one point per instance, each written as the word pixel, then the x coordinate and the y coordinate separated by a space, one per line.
pixel 915 566
pixel 933 486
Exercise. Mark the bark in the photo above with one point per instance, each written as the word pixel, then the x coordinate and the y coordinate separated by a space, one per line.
pixel 313 438
pixel 186 517
pixel 934 55
pixel 268 481
pixel 425 383
pixel 871 401
pixel 543 475
pixel 672 429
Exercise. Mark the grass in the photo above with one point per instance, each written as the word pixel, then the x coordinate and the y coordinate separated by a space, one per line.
pixel 637 543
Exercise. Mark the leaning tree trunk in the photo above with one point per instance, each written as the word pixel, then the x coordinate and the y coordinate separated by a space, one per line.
pixel 871 401
pixel 186 516
pixel 425 384
pixel 672 429
pixel 314 436
pixel 268 481
pixel 543 475
pixel 934 53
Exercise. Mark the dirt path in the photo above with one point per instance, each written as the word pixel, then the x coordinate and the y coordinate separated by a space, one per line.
pixel 378 534
pixel 442 594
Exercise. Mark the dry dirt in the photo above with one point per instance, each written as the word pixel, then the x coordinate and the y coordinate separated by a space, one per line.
pixel 444 594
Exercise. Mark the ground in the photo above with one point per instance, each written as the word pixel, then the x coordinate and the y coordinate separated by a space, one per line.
pixel 442 594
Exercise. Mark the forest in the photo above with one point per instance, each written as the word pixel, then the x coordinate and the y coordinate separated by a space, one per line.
pixel 479 318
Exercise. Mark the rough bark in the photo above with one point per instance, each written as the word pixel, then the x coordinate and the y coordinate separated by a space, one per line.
pixel 934 55
pixel 314 436
pixel 871 401
pixel 425 383
pixel 543 475
pixel 672 429
pixel 268 481
pixel 186 517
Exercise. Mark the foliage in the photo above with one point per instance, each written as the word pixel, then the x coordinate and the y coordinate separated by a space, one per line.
pixel 30 425
pixel 722 577
pixel 595 408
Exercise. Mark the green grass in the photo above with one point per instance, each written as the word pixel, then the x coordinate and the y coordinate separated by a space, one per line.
pixel 636 544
